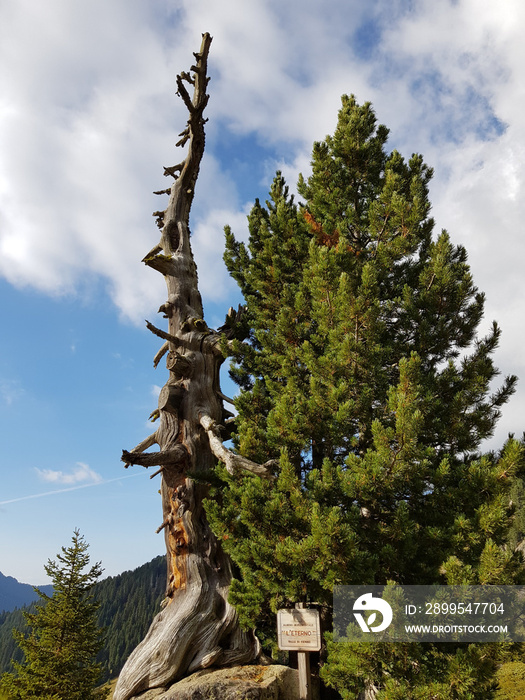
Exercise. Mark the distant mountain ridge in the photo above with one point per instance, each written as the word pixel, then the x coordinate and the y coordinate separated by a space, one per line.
pixel 14 594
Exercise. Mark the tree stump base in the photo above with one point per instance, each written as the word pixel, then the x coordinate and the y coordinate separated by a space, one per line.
pixel 237 683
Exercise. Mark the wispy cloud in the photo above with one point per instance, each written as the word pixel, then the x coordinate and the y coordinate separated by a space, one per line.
pixel 80 473
pixel 93 128
pixel 71 488
pixel 10 391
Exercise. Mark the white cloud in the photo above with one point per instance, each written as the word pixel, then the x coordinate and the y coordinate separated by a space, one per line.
pixel 86 118
pixel 89 116
pixel 155 391
pixel 89 113
pixel 475 54
pixel 209 247
pixel 79 474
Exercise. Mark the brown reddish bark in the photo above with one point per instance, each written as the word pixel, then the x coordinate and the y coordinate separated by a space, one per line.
pixel 197 627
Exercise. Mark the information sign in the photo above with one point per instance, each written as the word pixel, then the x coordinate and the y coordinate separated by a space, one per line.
pixel 298 630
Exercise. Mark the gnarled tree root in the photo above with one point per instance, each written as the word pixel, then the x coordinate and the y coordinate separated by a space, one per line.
pixel 196 630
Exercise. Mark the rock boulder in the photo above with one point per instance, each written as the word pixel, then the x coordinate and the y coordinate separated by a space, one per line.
pixel 237 683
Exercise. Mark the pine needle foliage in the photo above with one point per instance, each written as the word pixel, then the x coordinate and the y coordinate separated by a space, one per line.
pixel 365 376
pixel 64 637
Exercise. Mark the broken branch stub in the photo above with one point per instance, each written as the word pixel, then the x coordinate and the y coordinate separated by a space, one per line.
pixel 233 462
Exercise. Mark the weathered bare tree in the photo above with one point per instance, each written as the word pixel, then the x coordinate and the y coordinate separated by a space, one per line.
pixel 197 627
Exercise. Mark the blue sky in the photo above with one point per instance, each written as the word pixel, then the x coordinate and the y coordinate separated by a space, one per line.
pixel 88 117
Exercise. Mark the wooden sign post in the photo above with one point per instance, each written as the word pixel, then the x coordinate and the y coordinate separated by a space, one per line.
pixel 299 630
pixel 305 677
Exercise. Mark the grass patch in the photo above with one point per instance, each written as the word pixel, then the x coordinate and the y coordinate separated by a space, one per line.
pixel 110 685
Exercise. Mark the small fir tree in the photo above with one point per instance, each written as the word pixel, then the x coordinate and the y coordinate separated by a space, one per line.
pixel 365 377
pixel 64 638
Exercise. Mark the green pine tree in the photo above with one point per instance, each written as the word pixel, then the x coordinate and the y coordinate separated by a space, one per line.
pixel 64 638
pixel 364 375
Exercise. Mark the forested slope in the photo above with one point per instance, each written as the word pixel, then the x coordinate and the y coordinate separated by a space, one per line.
pixel 128 603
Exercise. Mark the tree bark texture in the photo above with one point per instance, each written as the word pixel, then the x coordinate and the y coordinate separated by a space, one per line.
pixel 197 627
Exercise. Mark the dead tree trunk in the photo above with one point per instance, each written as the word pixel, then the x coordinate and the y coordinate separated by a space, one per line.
pixel 197 627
